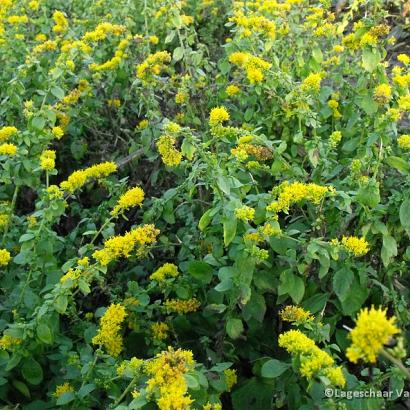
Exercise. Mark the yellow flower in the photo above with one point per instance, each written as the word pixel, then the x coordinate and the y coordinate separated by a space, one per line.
pixel 133 197
pixel 62 389
pixel 245 213
pixel 60 22
pixel 230 378
pixel 372 331
pixel 143 124
pixel 218 115
pixel 6 133
pixel 403 58
pixel 312 82
pixel 54 192
pixel 295 314
pixel 297 192
pixel 335 138
pixel 110 325
pixel 40 38
pixel 58 132
pixel 47 160
pixel 34 5
pixel 165 271
pixel 404 141
pixel 172 127
pixel 166 372
pixel 382 93
pixel 182 306
pixel 7 342
pixel 404 103
pixel 17 19
pixel 313 361
pixel 153 39
pixel 123 245
pixel 4 257
pixel 8 149
pixel 159 330
pixel 355 245
pixel 169 154
pixel 232 90
pixel 153 65
pixel 79 178
pixel 181 97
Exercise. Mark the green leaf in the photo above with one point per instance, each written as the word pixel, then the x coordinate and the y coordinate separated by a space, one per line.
pixel 229 225
pixel 405 214
pixel 44 333
pixel 369 195
pixel 57 92
pixel 22 388
pixel 26 237
pixel 188 149
pixel 65 398
pixel 38 123
pixel 399 163
pixel 355 298
pixel 389 249
pixel 201 271
pixel 205 219
pixel 234 327
pixel 61 303
pixel 224 285
pixel 368 105
pixel 273 368
pixel 32 371
pixel 342 280
pixel 292 285
pixel 86 389
pixel 371 58
pixel 178 54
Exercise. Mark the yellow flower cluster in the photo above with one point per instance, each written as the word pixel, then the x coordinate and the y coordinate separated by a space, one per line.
pixel 382 93
pixel 110 326
pixel 295 314
pixel 60 22
pixel 6 133
pixel 62 389
pixel 133 197
pixel 123 245
pixel 54 192
pixel 4 220
pixel 169 154
pixel 245 213
pixel 404 103
pixel 168 270
pixel 254 66
pixel 132 366
pixel 7 342
pixel 372 331
pixel 57 132
pixel 79 178
pixel 47 160
pixel 8 149
pixel 103 30
pixel 295 192
pixel 313 360
pixel 167 380
pixel 242 152
pixel 218 115
pixel 153 65
pixel 17 19
pixel 4 257
pixel 312 82
pixel 116 60
pixel 159 330
pixel 232 90
pixel 404 141
pixel 254 23
pixel 182 306
pixel 335 138
pixel 230 378
pixel 353 244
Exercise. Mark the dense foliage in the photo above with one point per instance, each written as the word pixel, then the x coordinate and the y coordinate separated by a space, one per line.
pixel 204 204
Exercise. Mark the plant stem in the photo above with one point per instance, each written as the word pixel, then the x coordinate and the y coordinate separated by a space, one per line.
pixel 12 206
pixel 126 391
pixel 396 362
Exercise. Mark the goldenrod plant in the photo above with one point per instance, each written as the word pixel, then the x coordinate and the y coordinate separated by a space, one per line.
pixel 203 205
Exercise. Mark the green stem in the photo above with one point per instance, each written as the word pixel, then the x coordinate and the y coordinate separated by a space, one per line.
pixel 126 391
pixel 90 369
pixel 396 362
pixel 12 206
pixel 104 225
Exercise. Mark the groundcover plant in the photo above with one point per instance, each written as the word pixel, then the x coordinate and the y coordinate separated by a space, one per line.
pixel 204 204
